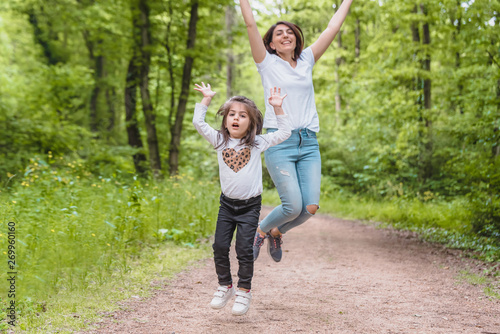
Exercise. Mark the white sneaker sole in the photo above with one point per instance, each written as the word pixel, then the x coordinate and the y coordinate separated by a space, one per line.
pixel 240 313
pixel 218 307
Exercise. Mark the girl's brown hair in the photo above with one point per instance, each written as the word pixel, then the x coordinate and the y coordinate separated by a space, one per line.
pixel 299 36
pixel 254 115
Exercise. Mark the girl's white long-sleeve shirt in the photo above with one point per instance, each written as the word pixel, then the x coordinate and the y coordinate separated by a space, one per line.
pixel 240 167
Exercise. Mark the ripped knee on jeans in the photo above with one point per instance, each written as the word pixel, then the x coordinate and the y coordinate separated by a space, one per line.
pixel 312 208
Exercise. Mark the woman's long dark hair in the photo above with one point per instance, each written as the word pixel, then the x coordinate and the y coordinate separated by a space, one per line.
pixel 254 115
pixel 299 36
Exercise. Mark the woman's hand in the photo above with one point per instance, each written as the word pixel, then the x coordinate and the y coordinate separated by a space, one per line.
pixel 328 35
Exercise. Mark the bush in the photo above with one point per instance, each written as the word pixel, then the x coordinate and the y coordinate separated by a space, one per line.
pixel 485 212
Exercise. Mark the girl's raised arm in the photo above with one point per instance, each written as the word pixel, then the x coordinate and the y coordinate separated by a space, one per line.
pixel 327 36
pixel 256 43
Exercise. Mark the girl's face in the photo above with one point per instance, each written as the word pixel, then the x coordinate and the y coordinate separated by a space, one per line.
pixel 284 40
pixel 237 120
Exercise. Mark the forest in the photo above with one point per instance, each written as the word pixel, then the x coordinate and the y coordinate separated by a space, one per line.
pixel 100 161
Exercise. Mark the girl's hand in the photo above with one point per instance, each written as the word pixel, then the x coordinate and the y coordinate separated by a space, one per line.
pixel 276 100
pixel 206 90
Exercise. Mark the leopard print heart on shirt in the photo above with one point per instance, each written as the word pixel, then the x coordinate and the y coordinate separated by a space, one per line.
pixel 236 160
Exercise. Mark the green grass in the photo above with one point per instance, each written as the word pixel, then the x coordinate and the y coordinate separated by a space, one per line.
pixel 69 311
pixel 270 197
pixel 78 235
pixel 402 213
pixel 399 213
pixel 491 288
pixel 472 278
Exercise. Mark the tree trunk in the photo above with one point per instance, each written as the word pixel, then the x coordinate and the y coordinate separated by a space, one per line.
pixel 133 133
pixel 338 63
pixel 418 86
pixel 97 59
pixel 170 66
pixel 428 171
pixel 456 34
pixel 422 85
pixel 357 39
pixel 415 33
pixel 149 116
pixel 230 55
pixel 185 89
pixel 426 40
pixel 99 66
pixel 495 148
pixel 110 100
pixel 41 38
pixel 98 62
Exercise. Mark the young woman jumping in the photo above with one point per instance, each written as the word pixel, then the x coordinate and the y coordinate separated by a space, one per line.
pixel 295 164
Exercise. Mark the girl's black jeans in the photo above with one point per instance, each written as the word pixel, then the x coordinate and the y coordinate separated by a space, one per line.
pixel 242 216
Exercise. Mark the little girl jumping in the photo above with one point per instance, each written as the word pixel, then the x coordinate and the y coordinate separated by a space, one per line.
pixel 238 144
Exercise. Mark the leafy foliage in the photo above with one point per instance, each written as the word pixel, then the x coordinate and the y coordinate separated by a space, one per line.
pixel 75 228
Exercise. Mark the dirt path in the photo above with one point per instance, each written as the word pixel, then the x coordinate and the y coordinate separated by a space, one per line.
pixel 336 276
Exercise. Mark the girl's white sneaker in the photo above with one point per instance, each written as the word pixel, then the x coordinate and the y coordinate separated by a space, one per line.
pixel 242 302
pixel 221 296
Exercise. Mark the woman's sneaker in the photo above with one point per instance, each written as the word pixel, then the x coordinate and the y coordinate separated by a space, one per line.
pixel 221 296
pixel 258 241
pixel 242 302
pixel 274 247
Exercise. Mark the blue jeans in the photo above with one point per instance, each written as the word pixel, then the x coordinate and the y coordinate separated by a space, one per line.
pixel 295 167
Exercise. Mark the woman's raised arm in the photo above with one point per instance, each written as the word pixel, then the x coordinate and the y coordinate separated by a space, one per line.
pixel 256 43
pixel 328 35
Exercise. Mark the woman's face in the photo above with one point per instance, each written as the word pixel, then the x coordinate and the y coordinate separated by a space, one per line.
pixel 284 40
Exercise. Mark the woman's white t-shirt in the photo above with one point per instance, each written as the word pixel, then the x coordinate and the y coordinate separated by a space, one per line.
pixel 296 83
